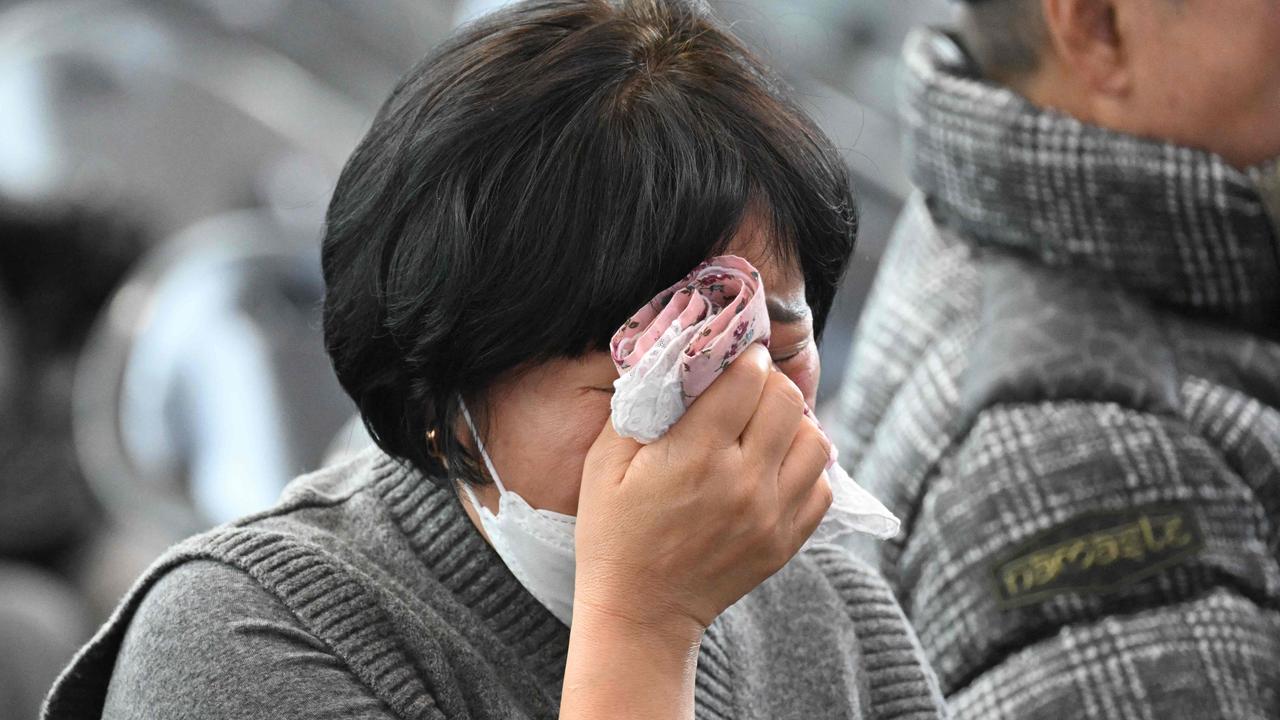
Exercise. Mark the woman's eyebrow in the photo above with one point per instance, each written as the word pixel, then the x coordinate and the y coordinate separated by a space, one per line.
pixel 786 313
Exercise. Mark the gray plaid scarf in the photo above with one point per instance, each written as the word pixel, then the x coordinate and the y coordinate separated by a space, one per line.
pixel 1175 224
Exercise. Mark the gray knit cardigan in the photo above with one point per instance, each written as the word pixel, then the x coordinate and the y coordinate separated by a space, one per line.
pixel 379 570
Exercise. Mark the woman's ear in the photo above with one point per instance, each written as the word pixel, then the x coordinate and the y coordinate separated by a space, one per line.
pixel 1088 38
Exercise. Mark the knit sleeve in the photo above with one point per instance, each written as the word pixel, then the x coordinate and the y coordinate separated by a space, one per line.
pixel 209 642
pixel 1086 560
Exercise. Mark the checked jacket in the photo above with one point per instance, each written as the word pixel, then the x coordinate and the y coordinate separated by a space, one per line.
pixel 1067 385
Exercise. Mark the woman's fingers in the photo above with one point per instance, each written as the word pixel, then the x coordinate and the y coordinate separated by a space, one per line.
pixel 610 455
pixel 720 414
pixel 812 508
pixel 771 430
pixel 806 459
pixel 743 464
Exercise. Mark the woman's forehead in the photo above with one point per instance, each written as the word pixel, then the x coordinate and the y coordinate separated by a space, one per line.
pixel 783 279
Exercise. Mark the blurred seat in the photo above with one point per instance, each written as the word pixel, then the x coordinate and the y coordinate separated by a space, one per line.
pixel 159 108
pixel 357 48
pixel 42 622
pixel 206 386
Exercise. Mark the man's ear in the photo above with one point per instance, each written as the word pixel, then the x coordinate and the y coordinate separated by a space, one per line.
pixel 1089 40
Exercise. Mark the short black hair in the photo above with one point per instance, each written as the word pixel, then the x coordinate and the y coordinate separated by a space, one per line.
pixel 537 179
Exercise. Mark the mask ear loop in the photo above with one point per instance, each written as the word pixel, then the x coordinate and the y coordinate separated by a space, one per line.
pixel 484 454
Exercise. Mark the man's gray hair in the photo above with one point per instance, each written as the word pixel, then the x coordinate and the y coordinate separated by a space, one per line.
pixel 1005 37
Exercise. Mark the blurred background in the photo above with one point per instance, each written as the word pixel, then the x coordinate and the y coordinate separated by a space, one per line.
pixel 164 169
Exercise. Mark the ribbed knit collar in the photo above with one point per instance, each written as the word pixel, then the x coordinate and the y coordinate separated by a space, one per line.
pixel 1172 223
pixel 456 555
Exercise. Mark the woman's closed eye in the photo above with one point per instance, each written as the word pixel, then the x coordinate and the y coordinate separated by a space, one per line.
pixel 792 356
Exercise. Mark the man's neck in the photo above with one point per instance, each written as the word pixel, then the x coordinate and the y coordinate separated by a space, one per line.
pixel 1051 88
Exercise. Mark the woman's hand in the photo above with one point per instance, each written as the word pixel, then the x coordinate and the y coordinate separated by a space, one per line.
pixel 670 534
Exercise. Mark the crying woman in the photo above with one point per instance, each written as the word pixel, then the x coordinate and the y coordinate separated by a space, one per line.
pixel 576 226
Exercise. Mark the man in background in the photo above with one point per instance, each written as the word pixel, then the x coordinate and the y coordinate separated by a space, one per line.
pixel 1067 380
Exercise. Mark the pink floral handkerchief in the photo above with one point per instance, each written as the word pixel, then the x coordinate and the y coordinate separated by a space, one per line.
pixel 677 344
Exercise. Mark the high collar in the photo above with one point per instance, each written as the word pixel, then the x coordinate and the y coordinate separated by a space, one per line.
pixel 1177 225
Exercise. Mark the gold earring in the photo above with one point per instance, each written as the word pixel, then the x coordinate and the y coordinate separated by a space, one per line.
pixel 435 446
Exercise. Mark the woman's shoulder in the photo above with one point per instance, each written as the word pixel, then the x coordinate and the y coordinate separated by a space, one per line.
pixel 207 640
pixel 226 621
pixel 201 593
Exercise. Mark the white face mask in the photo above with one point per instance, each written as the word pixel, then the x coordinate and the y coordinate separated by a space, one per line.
pixel 536 545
